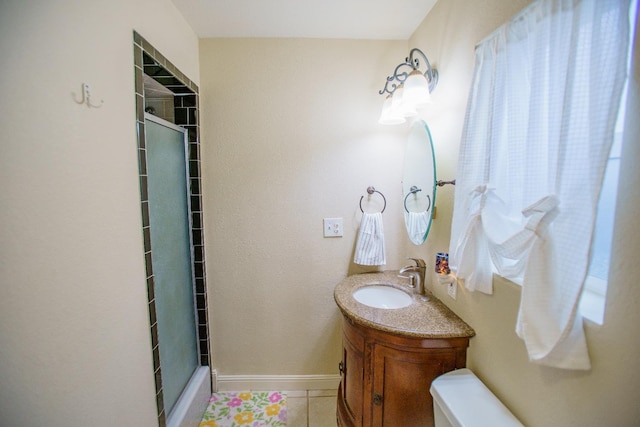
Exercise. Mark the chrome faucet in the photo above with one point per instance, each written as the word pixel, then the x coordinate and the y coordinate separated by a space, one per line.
pixel 419 270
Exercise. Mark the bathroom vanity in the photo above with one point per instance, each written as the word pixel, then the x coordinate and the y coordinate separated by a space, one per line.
pixel 391 355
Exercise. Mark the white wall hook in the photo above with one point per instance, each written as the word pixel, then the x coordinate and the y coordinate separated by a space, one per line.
pixel 86 97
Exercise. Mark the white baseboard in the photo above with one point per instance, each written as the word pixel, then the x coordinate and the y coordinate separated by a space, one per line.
pixel 276 382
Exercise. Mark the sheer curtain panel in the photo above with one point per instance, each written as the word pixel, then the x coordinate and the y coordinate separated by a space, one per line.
pixel 538 129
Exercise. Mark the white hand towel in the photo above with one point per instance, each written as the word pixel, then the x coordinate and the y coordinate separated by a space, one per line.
pixel 417 223
pixel 370 245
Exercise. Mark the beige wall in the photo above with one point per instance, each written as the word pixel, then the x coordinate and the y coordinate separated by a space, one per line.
pixel 74 338
pixel 539 396
pixel 291 137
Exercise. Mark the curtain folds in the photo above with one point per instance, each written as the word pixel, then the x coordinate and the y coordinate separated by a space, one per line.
pixel 538 129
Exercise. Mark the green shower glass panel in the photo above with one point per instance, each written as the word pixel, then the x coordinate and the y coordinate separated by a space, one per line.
pixel 171 256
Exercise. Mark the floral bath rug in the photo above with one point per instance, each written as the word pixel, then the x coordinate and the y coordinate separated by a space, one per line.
pixel 252 409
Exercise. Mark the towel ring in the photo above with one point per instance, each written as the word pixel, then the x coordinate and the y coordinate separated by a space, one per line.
pixel 372 190
pixel 414 190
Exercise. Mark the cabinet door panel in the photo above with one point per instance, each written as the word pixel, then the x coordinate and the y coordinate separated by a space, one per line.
pixel 353 381
pixel 403 379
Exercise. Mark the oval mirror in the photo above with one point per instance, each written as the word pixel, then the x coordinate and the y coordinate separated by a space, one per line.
pixel 419 182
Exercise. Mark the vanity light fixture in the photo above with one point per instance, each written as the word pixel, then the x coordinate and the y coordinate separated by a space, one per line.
pixel 408 89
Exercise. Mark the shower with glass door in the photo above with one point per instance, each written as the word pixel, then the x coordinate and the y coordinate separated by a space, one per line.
pixel 172 226
pixel 169 216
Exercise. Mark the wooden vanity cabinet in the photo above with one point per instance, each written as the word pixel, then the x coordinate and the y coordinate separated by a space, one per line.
pixel 386 377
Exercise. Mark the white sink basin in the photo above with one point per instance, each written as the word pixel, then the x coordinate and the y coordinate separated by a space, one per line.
pixel 382 296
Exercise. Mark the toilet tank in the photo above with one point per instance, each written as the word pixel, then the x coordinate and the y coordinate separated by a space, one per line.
pixel 460 399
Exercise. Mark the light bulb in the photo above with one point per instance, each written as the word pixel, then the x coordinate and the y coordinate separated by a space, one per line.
pixel 416 90
pixel 389 116
pixel 399 106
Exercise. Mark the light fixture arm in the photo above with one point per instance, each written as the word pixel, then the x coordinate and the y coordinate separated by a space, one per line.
pixel 398 77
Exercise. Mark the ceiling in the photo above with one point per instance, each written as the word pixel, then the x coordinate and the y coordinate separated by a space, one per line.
pixel 330 19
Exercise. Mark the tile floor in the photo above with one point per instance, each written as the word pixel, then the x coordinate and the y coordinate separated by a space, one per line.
pixel 311 408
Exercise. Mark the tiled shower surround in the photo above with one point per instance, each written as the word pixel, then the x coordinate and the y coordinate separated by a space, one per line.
pixel 149 61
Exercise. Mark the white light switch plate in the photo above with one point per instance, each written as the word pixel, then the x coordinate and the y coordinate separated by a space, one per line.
pixel 333 227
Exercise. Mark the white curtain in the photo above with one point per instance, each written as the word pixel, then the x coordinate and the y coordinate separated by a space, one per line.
pixel 538 130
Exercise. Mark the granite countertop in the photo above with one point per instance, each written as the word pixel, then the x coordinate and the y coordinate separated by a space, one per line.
pixel 425 319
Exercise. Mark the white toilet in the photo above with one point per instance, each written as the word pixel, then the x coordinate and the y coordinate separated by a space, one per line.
pixel 460 399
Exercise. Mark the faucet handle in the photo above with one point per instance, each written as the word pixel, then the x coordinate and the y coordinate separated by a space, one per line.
pixel 412 279
pixel 419 262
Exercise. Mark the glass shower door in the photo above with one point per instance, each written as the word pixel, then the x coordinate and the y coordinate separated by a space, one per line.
pixel 171 255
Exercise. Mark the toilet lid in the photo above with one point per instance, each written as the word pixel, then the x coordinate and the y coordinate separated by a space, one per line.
pixel 467 402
